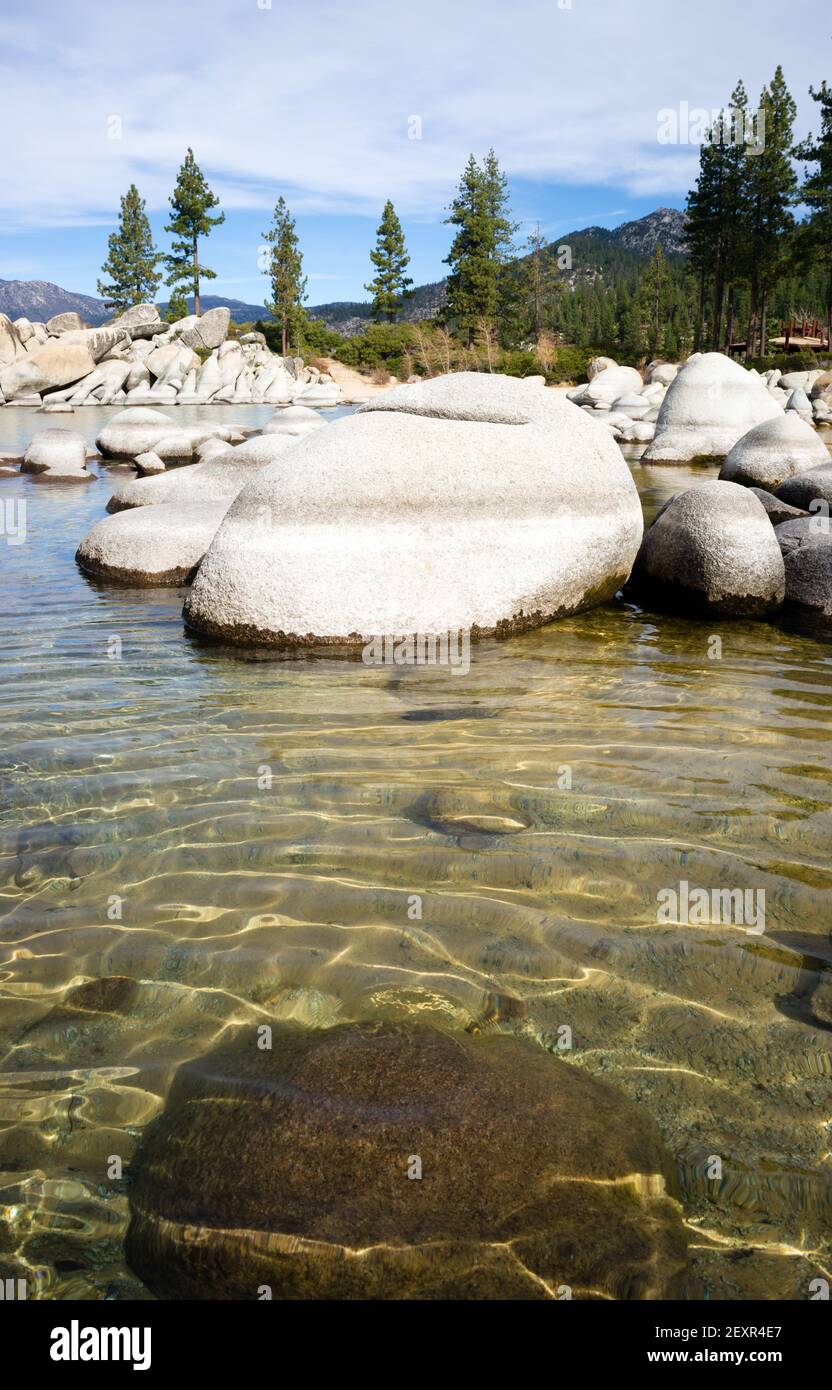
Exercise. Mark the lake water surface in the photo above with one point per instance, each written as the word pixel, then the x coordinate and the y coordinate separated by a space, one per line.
pixel 140 838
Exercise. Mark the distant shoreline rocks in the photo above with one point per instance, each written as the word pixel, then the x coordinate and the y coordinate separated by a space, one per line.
pixel 138 359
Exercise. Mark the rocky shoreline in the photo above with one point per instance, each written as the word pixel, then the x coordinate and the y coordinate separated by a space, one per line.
pixel 138 359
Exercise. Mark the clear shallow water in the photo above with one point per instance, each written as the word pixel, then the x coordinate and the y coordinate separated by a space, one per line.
pixel 137 779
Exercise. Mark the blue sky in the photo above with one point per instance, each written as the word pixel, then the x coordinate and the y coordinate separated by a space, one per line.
pixel 321 101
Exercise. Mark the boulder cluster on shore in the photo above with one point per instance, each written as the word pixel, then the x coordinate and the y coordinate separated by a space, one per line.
pixel 138 359
pixel 714 404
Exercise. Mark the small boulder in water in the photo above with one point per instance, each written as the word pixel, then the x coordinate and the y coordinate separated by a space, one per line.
pixel 711 552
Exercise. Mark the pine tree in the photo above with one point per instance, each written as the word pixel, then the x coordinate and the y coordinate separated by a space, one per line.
pixel 132 258
pixel 480 247
pixel 653 296
pixel 285 271
pixel 177 305
pixel 390 285
pixel 816 192
pixel 771 186
pixel 191 201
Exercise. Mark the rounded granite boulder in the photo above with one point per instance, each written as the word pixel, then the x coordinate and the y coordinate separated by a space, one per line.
pixel 59 454
pixel 711 552
pixel 773 451
pixel 398 1161
pixel 138 430
pixel 710 404
pixel 149 546
pixel 470 501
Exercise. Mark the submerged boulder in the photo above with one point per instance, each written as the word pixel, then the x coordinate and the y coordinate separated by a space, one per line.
pixel 471 502
pixel 151 545
pixel 712 551
pixel 710 404
pixel 57 453
pixel 290 1168
pixel 774 451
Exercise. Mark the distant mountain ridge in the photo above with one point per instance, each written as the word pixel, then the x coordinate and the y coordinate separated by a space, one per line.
pixel 596 251
pixel 39 300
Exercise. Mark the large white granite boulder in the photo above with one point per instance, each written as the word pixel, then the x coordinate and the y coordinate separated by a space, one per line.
pixel 472 501
pixel 50 365
pixel 710 404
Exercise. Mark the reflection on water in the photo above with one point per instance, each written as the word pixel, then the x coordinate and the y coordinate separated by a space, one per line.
pixel 234 840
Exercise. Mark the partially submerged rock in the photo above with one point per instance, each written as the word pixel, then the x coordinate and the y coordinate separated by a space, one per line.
pixel 57 453
pixel 773 451
pixel 219 478
pixel 295 420
pixel 712 552
pixel 289 1168
pixel 471 501
pixel 710 404
pixel 151 545
pixel 138 430
pixel 807 552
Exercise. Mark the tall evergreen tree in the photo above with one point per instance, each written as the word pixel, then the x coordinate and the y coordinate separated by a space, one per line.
pixel 285 271
pixel 191 201
pixel 771 186
pixel 653 295
pixel 816 193
pixel 390 285
pixel 132 258
pixel 480 247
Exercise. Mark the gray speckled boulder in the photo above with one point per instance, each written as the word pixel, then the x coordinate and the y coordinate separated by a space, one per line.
pixel 59 454
pixel 471 502
pixel 208 330
pixel 774 451
pixel 710 404
pixel 219 478
pixel 712 551
pixel 289 1168
pixel 802 531
pixel 777 511
pixel 151 545
pixel 807 552
pixel 806 488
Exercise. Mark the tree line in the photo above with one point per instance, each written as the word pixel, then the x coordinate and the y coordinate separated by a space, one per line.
pixel 749 262
pixel 743 238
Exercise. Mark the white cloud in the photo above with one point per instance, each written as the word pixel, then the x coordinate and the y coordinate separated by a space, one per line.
pixel 313 100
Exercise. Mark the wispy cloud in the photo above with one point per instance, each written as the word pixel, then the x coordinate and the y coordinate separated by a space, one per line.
pixel 317 101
